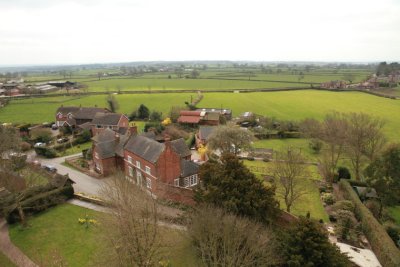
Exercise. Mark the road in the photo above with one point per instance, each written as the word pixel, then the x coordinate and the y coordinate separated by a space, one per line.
pixel 83 183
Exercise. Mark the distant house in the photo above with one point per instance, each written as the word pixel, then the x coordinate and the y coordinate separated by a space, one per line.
pixel 192 117
pixel 227 113
pixel 76 116
pixel 338 84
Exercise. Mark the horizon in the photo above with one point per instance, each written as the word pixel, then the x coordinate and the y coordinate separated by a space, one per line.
pixel 72 32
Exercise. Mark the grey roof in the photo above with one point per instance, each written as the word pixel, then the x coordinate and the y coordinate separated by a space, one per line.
pixel 180 147
pixel 150 135
pixel 88 113
pixel 66 110
pixel 106 118
pixel 119 147
pixel 144 147
pixel 106 149
pixel 85 126
pixel 188 168
pixel 206 131
pixel 104 136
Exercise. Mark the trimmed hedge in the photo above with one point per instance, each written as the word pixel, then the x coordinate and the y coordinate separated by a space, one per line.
pixel 46 152
pixel 381 243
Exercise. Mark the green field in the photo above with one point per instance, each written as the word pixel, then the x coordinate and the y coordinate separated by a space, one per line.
pixel 298 105
pixel 38 110
pixel 307 203
pixel 57 229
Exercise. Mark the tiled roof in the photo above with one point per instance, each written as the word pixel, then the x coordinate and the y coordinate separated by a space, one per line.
pixel 145 148
pixel 88 113
pixel 66 110
pixel 106 118
pixel 206 131
pixel 180 147
pixel 189 119
pixel 188 168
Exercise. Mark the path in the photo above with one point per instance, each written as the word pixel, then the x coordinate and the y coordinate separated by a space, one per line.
pixel 10 250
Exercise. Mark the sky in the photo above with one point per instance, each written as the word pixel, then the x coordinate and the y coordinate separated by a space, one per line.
pixel 38 32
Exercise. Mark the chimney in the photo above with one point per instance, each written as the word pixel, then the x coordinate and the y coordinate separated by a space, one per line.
pixel 132 129
pixel 117 137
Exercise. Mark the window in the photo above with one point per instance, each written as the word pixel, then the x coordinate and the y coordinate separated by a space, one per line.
pixel 130 169
pixel 130 159
pixel 139 178
pixel 148 183
pixel 148 169
pixel 186 182
pixel 176 182
pixel 193 180
pixel 138 164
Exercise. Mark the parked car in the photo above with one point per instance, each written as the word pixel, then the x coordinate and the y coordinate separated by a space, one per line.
pixel 62 140
pixel 49 168
pixel 39 144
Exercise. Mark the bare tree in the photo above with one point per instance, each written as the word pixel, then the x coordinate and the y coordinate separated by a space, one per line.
pixel 230 139
pixel 131 232
pixel 289 170
pixel 364 139
pixel 223 239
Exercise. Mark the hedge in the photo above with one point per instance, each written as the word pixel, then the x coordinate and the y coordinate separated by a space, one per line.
pixel 381 243
pixel 46 152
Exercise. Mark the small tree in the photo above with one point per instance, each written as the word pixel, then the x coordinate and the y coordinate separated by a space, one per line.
pixel 307 244
pixel 143 112
pixel 289 171
pixel 112 103
pixel 230 185
pixel 155 116
pixel 230 139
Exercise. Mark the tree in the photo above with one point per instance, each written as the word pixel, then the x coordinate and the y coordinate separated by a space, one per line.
pixel 289 170
pixel 112 103
pixel 307 244
pixel 349 77
pixel 195 74
pixel 384 175
pixel 223 239
pixel 131 232
pixel 364 138
pixel 228 184
pixel 230 139
pixel 155 116
pixel 143 112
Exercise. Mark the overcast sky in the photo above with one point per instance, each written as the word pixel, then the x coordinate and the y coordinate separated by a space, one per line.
pixel 95 31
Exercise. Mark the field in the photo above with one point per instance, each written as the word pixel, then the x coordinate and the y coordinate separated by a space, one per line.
pixel 307 203
pixel 282 144
pixel 57 231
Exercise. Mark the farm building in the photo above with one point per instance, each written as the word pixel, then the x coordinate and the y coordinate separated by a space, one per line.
pixel 192 117
pixel 227 113
pixel 75 116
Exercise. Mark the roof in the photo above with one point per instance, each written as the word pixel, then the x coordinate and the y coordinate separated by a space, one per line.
pixel 180 147
pixel 206 131
pixel 189 113
pixel 106 118
pixel 145 148
pixel 211 116
pixel 88 113
pixel 189 119
pixel 188 168
pixel 221 111
pixel 85 126
pixel 59 180
pixel 106 149
pixel 66 110
pixel 366 192
pixel 104 136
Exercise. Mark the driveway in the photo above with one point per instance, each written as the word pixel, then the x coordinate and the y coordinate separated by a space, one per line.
pixel 83 183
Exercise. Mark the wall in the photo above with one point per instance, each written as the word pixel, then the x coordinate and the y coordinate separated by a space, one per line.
pixel 176 194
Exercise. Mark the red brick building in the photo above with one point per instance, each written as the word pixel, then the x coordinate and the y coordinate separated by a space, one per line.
pixel 116 122
pixel 77 116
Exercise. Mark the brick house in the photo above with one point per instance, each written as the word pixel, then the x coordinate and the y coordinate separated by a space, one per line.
pixel 113 121
pixel 204 134
pixel 76 116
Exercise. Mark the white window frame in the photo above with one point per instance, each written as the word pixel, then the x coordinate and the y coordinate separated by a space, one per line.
pixel 148 183
pixel 130 170
pixel 130 159
pixel 148 170
pixel 139 178
pixel 193 180
pixel 138 164
pixel 186 182
pixel 176 182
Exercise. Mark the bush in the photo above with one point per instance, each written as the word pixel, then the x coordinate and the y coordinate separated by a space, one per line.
pixel 394 232
pixel 154 125
pixel 46 152
pixel 374 207
pixel 328 198
pixel 343 205
pixel 41 135
pixel 343 173
pixel 358 183
pixel 381 243
pixel 315 145
pixel 25 146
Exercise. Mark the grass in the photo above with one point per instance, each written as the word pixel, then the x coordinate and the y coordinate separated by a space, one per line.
pixel 298 105
pixel 38 110
pixel 5 262
pixel 57 229
pixel 307 203
pixel 395 213
pixel 282 144
pixel 76 149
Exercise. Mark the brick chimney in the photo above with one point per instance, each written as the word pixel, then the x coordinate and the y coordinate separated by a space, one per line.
pixel 132 129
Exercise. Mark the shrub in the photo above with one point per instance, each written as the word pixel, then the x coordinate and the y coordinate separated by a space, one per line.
pixel 46 152
pixel 394 233
pixel 41 135
pixel 343 173
pixel 380 241
pixel 315 145
pixel 25 146
pixel 346 225
pixel 374 207
pixel 343 205
pixel 328 198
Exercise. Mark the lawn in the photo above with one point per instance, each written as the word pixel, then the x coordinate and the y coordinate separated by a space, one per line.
pixel 298 105
pixel 395 213
pixel 5 262
pixel 57 230
pixel 283 144
pixel 75 149
pixel 38 110
pixel 307 203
